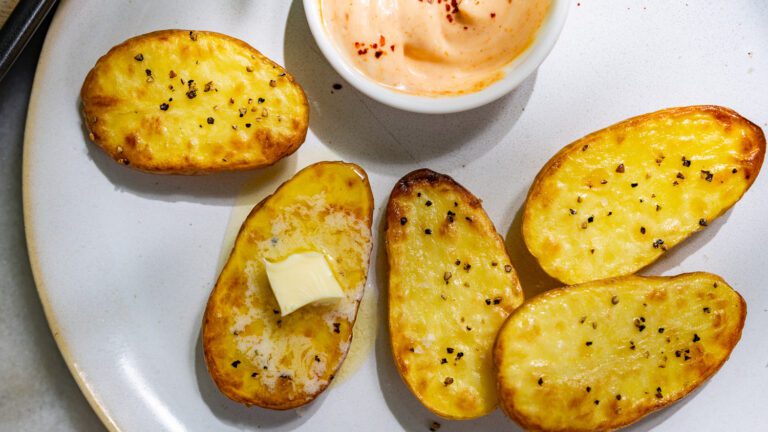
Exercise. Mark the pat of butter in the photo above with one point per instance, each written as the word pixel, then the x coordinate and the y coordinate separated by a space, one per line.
pixel 301 279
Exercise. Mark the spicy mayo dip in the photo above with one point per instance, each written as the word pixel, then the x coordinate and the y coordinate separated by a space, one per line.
pixel 433 47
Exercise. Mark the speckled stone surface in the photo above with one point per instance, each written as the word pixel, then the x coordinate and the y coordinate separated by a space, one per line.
pixel 37 392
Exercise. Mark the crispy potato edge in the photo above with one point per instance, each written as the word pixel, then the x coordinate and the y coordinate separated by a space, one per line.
pixel 94 130
pixel 557 292
pixel 216 375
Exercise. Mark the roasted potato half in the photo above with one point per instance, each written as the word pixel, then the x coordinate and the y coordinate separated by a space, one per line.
pixel 192 102
pixel 616 200
pixel 451 285
pixel 599 356
pixel 257 357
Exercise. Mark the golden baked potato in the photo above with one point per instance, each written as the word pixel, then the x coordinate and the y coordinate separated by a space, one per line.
pixel 451 286
pixel 256 356
pixel 616 200
pixel 599 356
pixel 192 102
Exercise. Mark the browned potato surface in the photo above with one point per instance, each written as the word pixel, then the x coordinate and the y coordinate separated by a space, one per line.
pixel 255 355
pixel 614 201
pixel 451 285
pixel 192 102
pixel 599 356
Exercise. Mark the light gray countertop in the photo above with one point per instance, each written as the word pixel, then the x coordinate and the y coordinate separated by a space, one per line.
pixel 37 392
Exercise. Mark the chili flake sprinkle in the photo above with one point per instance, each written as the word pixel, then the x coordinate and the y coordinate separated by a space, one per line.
pixel 434 427
pixel 210 120
pixel 507 268
pixel 686 162
pixel 706 175
pixel 658 243
pixel 403 220
pixel 337 327
pixel 164 106
pixel 139 57
pixel 615 300
pixel 448 381
pixel 703 222
pixel 642 230
pixel 620 168
pixel 696 337
pixel 541 381
pixel 427 231
pixel 634 185
pixel 235 363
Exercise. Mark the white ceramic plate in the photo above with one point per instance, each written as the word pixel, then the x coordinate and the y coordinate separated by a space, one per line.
pixel 124 261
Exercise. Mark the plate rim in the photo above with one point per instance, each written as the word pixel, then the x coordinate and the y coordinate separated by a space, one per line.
pixel 29 232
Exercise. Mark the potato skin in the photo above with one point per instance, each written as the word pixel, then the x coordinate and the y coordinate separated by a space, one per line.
pixel 257 357
pixel 614 201
pixel 602 355
pixel 451 285
pixel 149 102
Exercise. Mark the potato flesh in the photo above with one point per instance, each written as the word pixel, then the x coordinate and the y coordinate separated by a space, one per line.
pixel 193 105
pixel 615 201
pixel 449 292
pixel 601 355
pixel 284 362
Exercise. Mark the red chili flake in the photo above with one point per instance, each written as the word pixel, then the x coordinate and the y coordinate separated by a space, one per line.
pixel 379 53
pixel 620 168
pixel 375 45
pixel 363 51
pixel 382 41
pixel 392 47
pixel 449 17
pixel 493 14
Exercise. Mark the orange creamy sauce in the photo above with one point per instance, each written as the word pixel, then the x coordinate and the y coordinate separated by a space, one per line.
pixel 433 47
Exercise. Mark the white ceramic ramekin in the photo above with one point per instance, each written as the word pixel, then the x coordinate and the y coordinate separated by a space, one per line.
pixel 514 72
